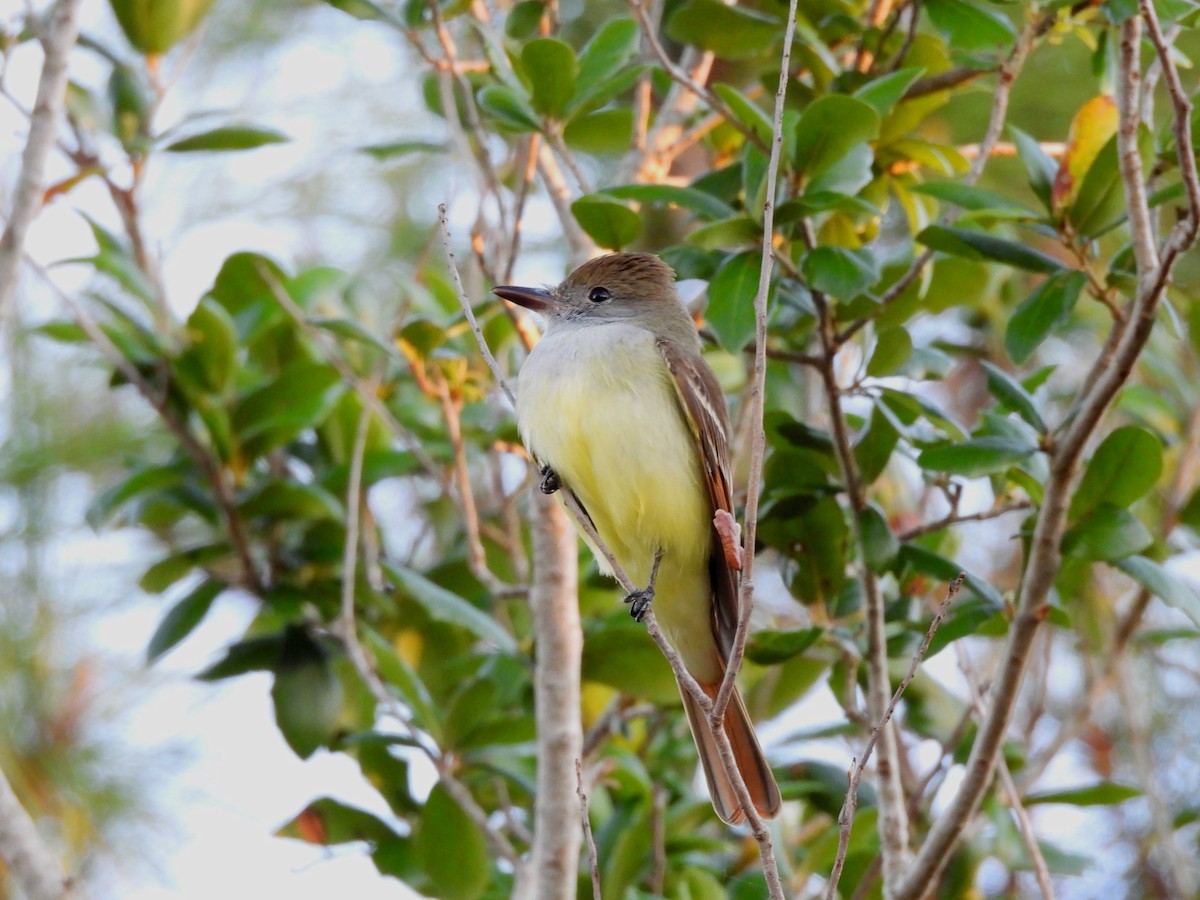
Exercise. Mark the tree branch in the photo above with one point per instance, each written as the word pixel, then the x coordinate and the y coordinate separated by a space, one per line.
pixel 846 816
pixel 34 868
pixel 43 127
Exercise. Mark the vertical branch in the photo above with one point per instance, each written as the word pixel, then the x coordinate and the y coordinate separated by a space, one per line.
pixel 1107 375
pixel 553 597
pixel 758 438
pixel 34 868
pixel 593 861
pixel 43 127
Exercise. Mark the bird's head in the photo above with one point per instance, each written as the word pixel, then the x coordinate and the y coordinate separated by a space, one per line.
pixel 633 287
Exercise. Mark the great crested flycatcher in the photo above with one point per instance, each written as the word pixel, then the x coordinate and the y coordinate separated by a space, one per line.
pixel 616 401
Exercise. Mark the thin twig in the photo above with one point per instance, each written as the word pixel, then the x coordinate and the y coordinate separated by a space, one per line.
pixel 953 519
pixel 756 399
pixel 593 860
pixel 683 79
pixel 1024 824
pixel 468 310
pixel 846 816
pixel 57 42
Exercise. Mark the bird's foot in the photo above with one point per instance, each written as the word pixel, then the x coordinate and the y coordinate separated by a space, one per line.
pixel 549 483
pixel 639 602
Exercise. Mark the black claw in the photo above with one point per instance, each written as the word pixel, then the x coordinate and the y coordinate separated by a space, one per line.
pixel 639 603
pixel 549 483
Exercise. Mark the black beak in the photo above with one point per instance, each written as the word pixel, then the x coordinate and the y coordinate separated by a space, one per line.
pixel 537 299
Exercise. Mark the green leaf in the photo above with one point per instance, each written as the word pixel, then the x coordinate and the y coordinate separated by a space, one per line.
pixel 452 849
pixel 875 445
pixel 884 93
pixel 307 694
pixel 880 546
pixel 969 27
pixel 828 128
pixel 674 195
pixel 291 501
pixel 606 131
pixel 1107 533
pixel 727 234
pixel 731 32
pixel 208 362
pixel 143 480
pixel 256 654
pixel 390 150
pixel 1125 467
pixel 1047 308
pixel 893 347
pixel 621 655
pixel 1040 167
pixel 328 822
pixel 396 672
pixel 932 564
pixel 444 606
pixel 769 647
pixel 976 245
pixel 182 618
pixel 975 457
pixel 604 56
pixel 746 112
pixel 839 272
pixel 1101 198
pixel 610 223
pixel 509 108
pixel 551 67
pixel 1012 394
pixel 1160 581
pixel 172 569
pixel 470 707
pixel 524 18
pixel 300 397
pixel 226 138
pixel 972 198
pixel 731 292
pixel 1105 793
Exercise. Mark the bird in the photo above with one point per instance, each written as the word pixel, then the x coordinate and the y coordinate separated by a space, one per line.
pixel 617 404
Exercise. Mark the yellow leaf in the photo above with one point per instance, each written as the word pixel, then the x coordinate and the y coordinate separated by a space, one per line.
pixel 1093 126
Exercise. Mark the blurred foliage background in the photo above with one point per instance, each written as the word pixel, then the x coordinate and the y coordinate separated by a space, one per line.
pixel 276 324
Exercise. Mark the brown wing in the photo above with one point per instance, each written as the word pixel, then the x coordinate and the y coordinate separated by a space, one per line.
pixel 704 407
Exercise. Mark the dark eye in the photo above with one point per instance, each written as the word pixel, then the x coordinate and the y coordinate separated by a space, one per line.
pixel 599 294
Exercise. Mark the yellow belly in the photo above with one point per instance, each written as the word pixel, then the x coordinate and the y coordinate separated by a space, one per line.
pixel 609 423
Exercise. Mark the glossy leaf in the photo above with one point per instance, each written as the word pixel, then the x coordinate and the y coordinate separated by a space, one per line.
pixel 684 197
pixel 731 293
pixel 604 56
pixel 509 108
pixel 1012 394
pixel 880 546
pixel 977 245
pixel 610 223
pixel 770 647
pixel 1040 167
pixel 606 131
pixel 731 32
pixel 838 272
pixel 885 92
pixel 975 457
pixel 746 112
pixel 1107 533
pixel 893 347
pixel 1163 583
pixel 551 68
pixel 446 606
pixel 182 619
pixel 1125 467
pixel 1046 309
pixel 1092 127
pixel 306 693
pixel 452 849
pixel 1100 201
pixel 971 26
pixel 1106 793
pixel 228 138
pixel 827 130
